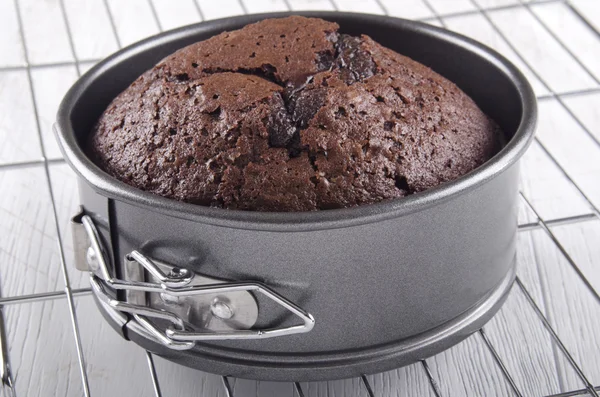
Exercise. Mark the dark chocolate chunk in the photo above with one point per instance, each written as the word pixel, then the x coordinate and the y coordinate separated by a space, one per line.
pixel 325 60
pixel 355 63
pixel 304 104
pixel 280 124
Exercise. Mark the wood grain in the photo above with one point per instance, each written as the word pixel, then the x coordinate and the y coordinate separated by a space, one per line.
pixel 413 9
pixel 477 27
pixel 221 9
pixel 585 108
pixel 250 388
pixel 468 369
pixel 173 14
pixel 581 242
pixel 89 22
pixel 495 3
pixel 114 366
pixel 366 6
pixel 133 20
pixel 49 87
pixel 46 38
pixel 582 41
pixel 541 51
pixel 546 187
pixel 178 381
pixel 446 7
pixel 42 349
pixel 64 188
pixel 520 338
pixel 570 307
pixel 18 136
pixel 11 45
pixel 590 11
pixel 410 381
pixel 259 6
pixel 29 262
pixel 299 5
pixel 338 388
pixel 577 153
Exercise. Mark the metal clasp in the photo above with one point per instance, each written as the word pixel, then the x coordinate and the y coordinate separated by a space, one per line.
pixel 171 291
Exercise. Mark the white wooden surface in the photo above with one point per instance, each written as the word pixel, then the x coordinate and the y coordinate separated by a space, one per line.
pixel 17 126
pixel 62 37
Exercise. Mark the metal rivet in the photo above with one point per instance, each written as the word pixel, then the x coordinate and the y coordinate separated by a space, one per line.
pixel 178 272
pixel 92 259
pixel 221 309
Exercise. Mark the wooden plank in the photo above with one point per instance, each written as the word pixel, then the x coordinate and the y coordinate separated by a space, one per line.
pixel 46 38
pixel 585 108
pixel 18 135
pixel 410 381
pixel 411 9
pixel 547 188
pixel 496 3
pixel 541 51
pixel 220 9
pixel 93 37
pixel 582 41
pixel 570 307
pixel 66 197
pixel 582 243
pixel 515 333
pixel 299 5
pixel 29 262
pixel 133 20
pixel 478 28
pixel 274 389
pixel 248 388
pixel 577 153
pixel 115 367
pixel 337 388
pixel 259 6
pixel 49 87
pixel 524 347
pixel 42 349
pixel 366 6
pixel 11 45
pixel 519 337
pixel 590 11
pixel 525 215
pixel 468 369
pixel 173 14
pixel 179 381
pixel 447 7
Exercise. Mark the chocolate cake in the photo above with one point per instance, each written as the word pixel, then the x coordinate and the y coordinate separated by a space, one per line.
pixel 290 115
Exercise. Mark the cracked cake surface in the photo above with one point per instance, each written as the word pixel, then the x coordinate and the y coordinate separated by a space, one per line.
pixel 290 115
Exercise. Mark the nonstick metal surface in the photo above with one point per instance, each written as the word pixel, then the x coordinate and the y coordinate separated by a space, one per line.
pixel 388 283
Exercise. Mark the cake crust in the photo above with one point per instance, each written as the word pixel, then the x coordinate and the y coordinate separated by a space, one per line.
pixel 290 115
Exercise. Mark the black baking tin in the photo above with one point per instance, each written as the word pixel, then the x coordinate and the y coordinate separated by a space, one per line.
pixel 387 283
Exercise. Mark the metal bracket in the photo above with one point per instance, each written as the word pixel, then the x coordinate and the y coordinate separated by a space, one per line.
pixel 173 305
pixel 215 312
pixel 81 243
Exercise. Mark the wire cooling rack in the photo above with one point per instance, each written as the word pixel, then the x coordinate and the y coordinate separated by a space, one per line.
pixel 544 342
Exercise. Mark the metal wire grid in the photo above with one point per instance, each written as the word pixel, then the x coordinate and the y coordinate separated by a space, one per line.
pixel 540 223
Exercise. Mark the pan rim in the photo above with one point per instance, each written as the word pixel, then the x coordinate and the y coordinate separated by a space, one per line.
pixel 309 220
